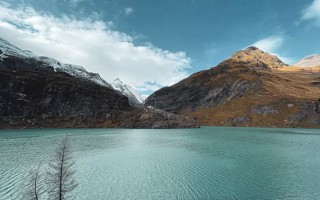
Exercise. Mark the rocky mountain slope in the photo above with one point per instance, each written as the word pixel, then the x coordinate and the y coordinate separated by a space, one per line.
pixel 42 92
pixel 135 99
pixel 252 88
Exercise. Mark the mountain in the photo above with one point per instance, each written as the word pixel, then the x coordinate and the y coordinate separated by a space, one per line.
pixel 135 99
pixel 251 88
pixel 309 61
pixel 42 92
pixel 7 49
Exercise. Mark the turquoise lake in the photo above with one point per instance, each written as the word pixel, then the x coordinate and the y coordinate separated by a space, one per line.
pixel 206 163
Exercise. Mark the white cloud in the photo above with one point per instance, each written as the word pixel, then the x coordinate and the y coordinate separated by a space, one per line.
pixel 272 45
pixel 312 12
pixel 269 44
pixel 94 45
pixel 128 11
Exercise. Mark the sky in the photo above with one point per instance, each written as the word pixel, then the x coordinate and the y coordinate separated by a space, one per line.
pixel 150 44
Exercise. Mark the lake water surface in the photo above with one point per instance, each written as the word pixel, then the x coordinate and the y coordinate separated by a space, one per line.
pixel 207 163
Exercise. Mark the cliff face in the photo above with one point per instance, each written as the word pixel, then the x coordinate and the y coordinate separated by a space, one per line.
pixel 34 94
pixel 252 88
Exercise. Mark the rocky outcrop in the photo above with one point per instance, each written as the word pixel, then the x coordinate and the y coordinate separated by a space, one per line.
pixel 307 114
pixel 240 120
pixel 264 110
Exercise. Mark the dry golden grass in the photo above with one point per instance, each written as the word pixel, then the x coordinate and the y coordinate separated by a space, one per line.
pixel 222 115
pixel 300 69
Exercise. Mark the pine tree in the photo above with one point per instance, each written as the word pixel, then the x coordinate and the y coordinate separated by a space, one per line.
pixel 33 189
pixel 60 176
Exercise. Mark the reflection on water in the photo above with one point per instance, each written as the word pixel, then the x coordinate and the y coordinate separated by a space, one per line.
pixel 206 163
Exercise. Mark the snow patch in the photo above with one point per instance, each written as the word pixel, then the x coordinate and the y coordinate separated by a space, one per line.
pixel 75 70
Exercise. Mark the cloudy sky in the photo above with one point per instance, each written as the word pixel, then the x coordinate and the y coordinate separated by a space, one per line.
pixel 150 44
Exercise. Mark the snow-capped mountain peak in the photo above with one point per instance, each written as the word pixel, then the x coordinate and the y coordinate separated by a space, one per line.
pixel 134 98
pixel 309 61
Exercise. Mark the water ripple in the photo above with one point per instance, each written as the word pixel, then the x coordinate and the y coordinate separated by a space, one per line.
pixel 206 163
